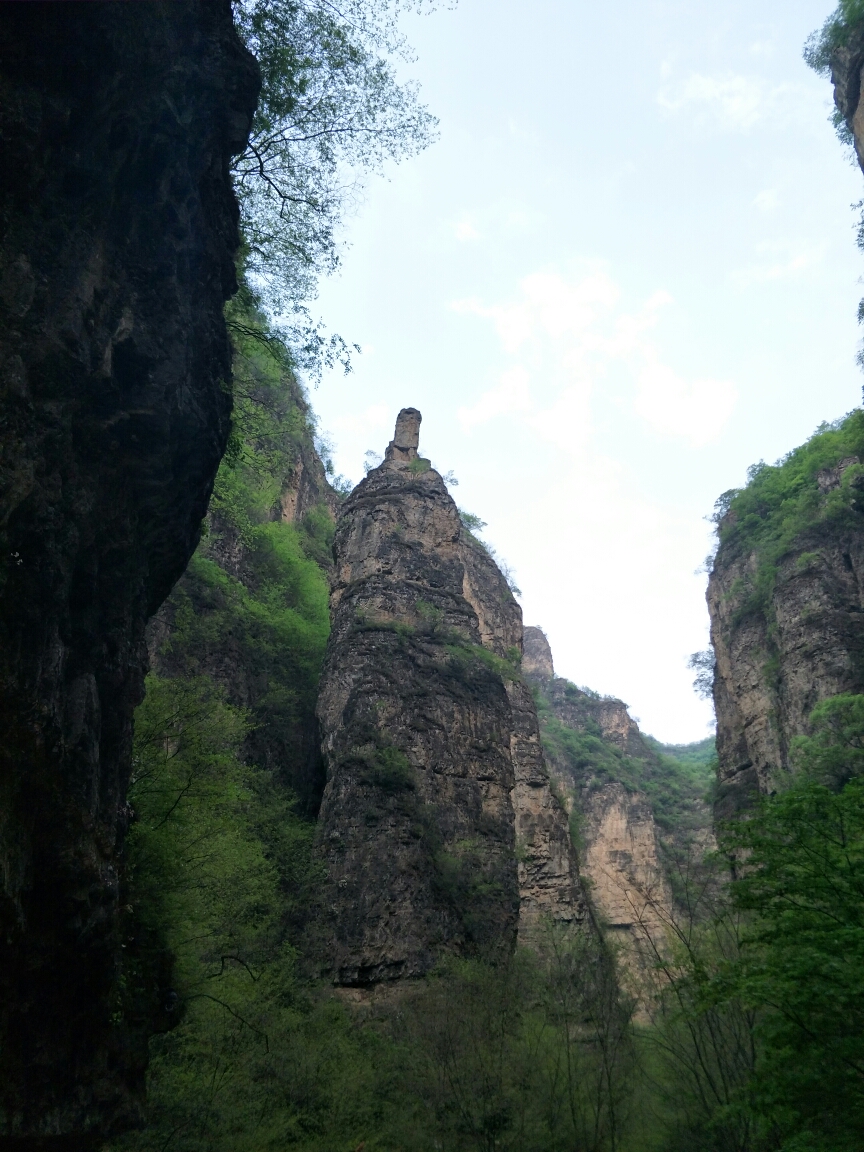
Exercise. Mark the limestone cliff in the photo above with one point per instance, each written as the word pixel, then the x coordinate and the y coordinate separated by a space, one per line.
pixel 613 781
pixel 435 774
pixel 784 596
pixel 787 618
pixel 118 229
pixel 847 75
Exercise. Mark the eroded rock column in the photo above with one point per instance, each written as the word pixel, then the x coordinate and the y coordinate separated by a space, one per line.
pixel 419 820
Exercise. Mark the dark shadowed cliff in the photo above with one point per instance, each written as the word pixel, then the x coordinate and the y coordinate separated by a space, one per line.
pixel 119 229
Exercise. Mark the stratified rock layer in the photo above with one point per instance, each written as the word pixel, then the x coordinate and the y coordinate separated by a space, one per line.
pixel 431 741
pixel 118 229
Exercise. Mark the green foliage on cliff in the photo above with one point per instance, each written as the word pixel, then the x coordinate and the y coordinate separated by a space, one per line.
pixel 762 1001
pixel 700 754
pixel 784 501
pixel 532 1055
pixel 835 32
pixel 251 611
pixel 675 785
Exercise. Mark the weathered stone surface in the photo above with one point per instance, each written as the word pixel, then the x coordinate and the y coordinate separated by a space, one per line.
pixel 536 654
pixel 847 62
pixel 629 887
pixel 776 661
pixel 430 740
pixel 620 851
pixel 549 885
pixel 118 229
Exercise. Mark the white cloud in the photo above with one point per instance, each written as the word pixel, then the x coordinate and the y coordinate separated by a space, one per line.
pixel 767 200
pixel 762 48
pixel 370 420
pixel 501 218
pixel 465 230
pixel 512 394
pixel 674 406
pixel 780 261
pixel 735 103
pixel 564 338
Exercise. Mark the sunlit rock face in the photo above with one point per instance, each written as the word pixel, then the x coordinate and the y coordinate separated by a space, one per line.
pixel 118 229
pixel 537 655
pixel 776 660
pixel 620 853
pixel 431 741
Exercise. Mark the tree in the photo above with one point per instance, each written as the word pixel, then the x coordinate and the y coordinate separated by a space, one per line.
pixel 331 108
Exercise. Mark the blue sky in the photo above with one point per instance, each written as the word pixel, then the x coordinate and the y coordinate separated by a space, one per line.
pixel 626 271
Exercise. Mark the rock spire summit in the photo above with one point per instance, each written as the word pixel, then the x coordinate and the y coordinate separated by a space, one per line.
pixel 402 449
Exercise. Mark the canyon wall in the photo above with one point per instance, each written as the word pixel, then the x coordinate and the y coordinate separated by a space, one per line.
pixel 599 758
pixel 436 780
pixel 119 229
pixel 847 76
pixel 787 621
pixel 787 633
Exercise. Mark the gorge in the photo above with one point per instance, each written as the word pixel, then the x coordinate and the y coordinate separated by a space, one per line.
pixel 304 842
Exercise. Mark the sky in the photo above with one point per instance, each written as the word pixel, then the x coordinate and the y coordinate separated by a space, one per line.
pixel 625 272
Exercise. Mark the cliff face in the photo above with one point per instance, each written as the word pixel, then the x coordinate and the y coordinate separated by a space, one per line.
pixel 847 64
pixel 620 842
pixel 787 624
pixel 119 229
pixel 788 630
pixel 431 742
pixel 786 635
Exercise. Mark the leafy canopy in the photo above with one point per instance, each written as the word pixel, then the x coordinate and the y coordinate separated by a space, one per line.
pixel 331 108
pixel 835 32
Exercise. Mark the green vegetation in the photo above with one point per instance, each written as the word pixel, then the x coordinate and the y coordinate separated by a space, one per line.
pixel 330 109
pixel 531 1054
pixel 798 966
pixel 251 611
pixel 835 32
pixel 675 780
pixel 701 754
pixel 783 502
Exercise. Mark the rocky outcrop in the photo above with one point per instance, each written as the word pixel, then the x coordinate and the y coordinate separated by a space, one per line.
pixel 119 229
pixel 779 654
pixel 847 64
pixel 435 775
pixel 619 841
